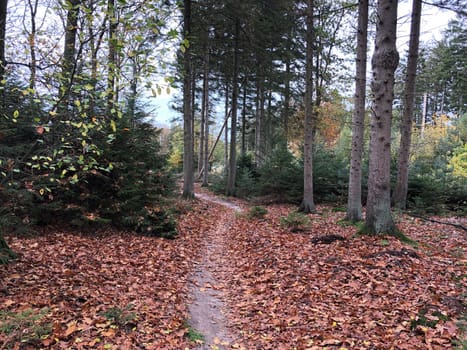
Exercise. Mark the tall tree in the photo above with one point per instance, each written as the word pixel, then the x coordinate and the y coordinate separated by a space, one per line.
pixel 188 176
pixel 5 251
pixel 69 53
pixel 3 14
pixel 384 63
pixel 400 193
pixel 231 177
pixel 112 59
pixel 308 205
pixel 206 118
pixel 354 202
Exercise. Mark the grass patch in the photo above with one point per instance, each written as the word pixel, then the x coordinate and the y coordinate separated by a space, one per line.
pixel 424 319
pixel 257 212
pixel 339 209
pixel 193 335
pixel 384 242
pixel 25 327
pixel 347 223
pixel 122 317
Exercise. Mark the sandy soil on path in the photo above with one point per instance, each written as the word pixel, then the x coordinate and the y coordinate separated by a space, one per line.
pixel 207 311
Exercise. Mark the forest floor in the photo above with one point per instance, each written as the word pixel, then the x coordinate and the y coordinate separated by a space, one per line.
pixel 258 285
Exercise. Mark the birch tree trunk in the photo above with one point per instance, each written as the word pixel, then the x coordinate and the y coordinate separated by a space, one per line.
pixel 308 205
pixel 188 176
pixel 384 63
pixel 400 192
pixel 354 201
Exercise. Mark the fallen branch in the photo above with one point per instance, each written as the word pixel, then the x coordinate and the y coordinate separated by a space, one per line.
pixel 459 226
pixel 327 239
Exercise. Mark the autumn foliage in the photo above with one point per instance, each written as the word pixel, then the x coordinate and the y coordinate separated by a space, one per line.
pixel 282 289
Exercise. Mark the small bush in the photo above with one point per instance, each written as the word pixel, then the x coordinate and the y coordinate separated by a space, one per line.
pixel 257 212
pixel 122 317
pixel 25 327
pixel 295 221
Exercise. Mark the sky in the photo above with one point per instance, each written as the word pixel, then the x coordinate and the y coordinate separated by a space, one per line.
pixel 433 22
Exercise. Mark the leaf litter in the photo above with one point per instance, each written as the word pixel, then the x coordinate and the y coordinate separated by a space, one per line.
pixel 279 289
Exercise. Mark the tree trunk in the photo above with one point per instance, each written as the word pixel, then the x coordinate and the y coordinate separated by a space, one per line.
pixel 424 112
pixel 32 45
pixel 95 41
pixel 133 90
pixel 243 148
pixel 400 192
pixel 3 16
pixel 233 128
pixel 259 123
pixel 226 131
pixel 206 119
pixel 384 63
pixel 201 129
pixel 69 53
pixel 188 176
pixel 286 109
pixel 112 60
pixel 354 201
pixel 6 254
pixel 308 205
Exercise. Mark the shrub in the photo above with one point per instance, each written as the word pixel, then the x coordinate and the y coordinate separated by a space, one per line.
pixel 257 212
pixel 295 221
pixel 122 317
pixel 281 175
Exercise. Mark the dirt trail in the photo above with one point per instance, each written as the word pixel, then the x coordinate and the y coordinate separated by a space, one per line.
pixel 207 308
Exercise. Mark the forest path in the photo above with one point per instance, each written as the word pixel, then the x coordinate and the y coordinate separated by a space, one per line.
pixel 207 308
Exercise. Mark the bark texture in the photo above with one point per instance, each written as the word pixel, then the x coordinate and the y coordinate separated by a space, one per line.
pixel 354 202
pixel 230 191
pixel 206 119
pixel 188 175
pixel 384 62
pixel 3 14
pixel 69 53
pixel 400 192
pixel 308 205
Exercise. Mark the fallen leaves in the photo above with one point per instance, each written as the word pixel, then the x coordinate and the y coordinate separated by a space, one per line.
pixel 79 277
pixel 349 293
pixel 283 291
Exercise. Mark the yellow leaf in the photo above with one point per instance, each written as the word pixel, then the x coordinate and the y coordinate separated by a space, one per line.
pixel 71 328
pixel 113 126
